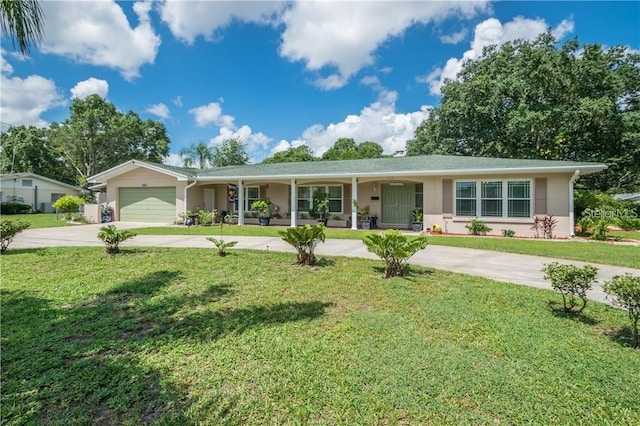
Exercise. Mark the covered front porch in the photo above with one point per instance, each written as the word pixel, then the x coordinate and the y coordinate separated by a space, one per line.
pixel 391 201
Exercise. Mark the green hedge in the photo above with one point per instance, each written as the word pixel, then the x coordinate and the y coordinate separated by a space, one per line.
pixel 14 207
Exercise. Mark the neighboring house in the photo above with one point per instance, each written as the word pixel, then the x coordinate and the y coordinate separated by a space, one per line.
pixel 452 190
pixel 634 197
pixel 38 191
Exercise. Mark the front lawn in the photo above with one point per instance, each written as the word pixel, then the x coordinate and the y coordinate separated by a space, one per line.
pixel 592 251
pixel 40 220
pixel 181 336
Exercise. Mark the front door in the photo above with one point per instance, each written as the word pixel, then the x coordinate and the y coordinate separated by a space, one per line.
pixel 397 202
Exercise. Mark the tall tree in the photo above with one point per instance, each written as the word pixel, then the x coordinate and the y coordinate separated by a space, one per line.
pixel 342 149
pixel 294 154
pixel 97 136
pixel 29 149
pixel 369 150
pixel 23 22
pixel 531 99
pixel 230 153
pixel 199 154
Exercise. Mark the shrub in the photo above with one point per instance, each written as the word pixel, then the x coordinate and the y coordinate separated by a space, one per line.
pixel 628 223
pixel 14 207
pixel 221 244
pixel 572 282
pixel 477 227
pixel 261 206
pixel 508 233
pixel 599 229
pixel 395 249
pixel 112 237
pixel 205 217
pixel 304 240
pixel 8 230
pixel 545 225
pixel 68 204
pixel 624 291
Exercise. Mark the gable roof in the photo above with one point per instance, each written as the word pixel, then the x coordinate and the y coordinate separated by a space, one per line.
pixel 27 175
pixel 377 167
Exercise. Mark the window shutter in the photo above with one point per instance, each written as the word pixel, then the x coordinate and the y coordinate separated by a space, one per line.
pixel 541 196
pixel 447 196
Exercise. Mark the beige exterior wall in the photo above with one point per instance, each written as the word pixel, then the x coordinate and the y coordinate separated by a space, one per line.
pixel 140 178
pixel 11 188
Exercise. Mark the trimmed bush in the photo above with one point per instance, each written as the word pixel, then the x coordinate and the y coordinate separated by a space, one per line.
pixel 624 291
pixel 572 282
pixel 304 240
pixel 68 205
pixel 395 249
pixel 508 233
pixel 112 237
pixel 8 230
pixel 14 207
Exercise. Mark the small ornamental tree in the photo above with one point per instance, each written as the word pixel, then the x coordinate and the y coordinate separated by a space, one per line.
pixel 8 230
pixel 68 204
pixel 304 240
pixel 572 282
pixel 624 291
pixel 112 237
pixel 395 249
pixel 221 244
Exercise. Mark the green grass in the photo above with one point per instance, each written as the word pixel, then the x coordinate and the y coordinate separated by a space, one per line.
pixel 625 235
pixel 592 251
pixel 181 336
pixel 40 220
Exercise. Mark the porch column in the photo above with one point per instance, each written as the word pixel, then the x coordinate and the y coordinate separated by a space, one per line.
pixel 240 202
pixel 575 176
pixel 354 197
pixel 294 203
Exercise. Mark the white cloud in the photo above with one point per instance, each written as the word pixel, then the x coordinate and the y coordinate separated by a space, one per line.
pixel 255 143
pixel 177 101
pixel 344 35
pixel 90 87
pixel 211 114
pixel 98 33
pixel 23 100
pixel 189 19
pixel 492 32
pixel 173 160
pixel 159 110
pixel 378 122
pixel 454 38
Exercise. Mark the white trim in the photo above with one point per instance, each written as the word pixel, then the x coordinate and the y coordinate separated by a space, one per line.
pixel 11 176
pixel 132 165
pixel 505 199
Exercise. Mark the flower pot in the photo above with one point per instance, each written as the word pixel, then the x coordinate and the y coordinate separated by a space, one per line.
pixel 323 221
pixel 264 221
pixel 366 224
pixel 416 226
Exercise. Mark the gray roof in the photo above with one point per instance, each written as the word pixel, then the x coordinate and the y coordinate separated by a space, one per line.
pixel 429 164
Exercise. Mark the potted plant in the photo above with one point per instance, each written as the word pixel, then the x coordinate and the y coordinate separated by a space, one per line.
pixel 436 229
pixel 364 213
pixel 321 207
pixel 262 207
pixel 416 219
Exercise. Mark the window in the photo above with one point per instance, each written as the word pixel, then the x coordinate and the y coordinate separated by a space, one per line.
pixel 55 197
pixel 466 198
pixel 251 194
pixel 27 183
pixel 491 204
pixel 334 194
pixel 419 196
pixel 509 198
pixel 519 198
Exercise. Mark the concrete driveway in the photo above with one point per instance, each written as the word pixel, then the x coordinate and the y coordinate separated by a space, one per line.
pixel 507 267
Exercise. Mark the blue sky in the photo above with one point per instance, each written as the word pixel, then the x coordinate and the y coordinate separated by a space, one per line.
pixel 278 74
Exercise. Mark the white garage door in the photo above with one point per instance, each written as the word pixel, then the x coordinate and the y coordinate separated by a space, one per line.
pixel 148 204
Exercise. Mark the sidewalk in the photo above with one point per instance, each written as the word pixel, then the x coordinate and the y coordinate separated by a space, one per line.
pixel 506 267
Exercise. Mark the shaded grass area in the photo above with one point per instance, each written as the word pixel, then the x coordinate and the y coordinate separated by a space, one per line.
pixel 592 251
pixel 182 336
pixel 40 220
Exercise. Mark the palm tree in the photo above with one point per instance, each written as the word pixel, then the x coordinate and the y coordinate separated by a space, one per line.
pixel 199 153
pixel 23 22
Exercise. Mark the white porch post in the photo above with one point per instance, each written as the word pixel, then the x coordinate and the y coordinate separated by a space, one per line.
pixel 240 203
pixel 354 197
pixel 571 214
pixel 294 203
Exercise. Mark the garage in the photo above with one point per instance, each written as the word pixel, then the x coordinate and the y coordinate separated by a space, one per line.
pixel 148 204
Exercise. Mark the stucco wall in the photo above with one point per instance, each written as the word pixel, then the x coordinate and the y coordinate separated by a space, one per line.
pixel 11 188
